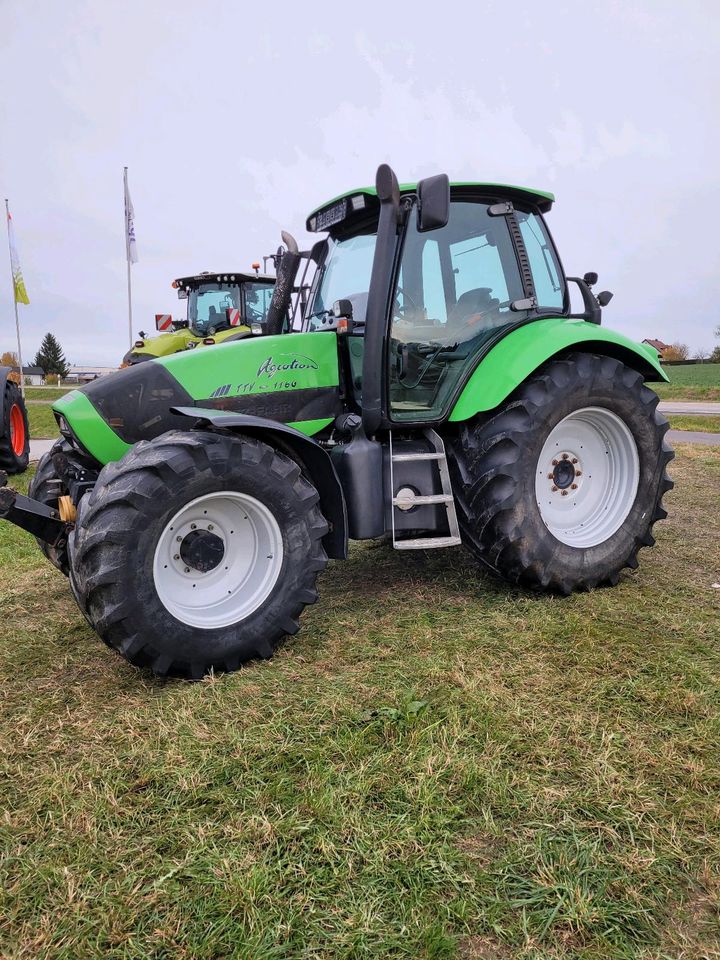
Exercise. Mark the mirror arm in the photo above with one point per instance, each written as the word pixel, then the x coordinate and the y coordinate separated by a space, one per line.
pixel 592 313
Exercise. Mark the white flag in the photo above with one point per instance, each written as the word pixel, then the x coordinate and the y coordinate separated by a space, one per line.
pixel 18 282
pixel 130 245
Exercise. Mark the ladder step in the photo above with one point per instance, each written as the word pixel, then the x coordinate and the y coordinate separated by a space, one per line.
pixel 427 543
pixel 421 501
pixel 404 457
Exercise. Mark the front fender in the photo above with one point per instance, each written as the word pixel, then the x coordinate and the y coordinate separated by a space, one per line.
pixel 305 450
pixel 511 361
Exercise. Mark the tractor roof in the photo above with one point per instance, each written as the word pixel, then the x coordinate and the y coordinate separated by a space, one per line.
pixel 366 197
pixel 211 277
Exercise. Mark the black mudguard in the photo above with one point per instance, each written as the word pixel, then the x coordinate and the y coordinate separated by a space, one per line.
pixel 308 452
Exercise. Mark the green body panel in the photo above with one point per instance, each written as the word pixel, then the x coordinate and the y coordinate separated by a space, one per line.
pixel 166 344
pixel 90 428
pixel 525 349
pixel 253 368
pixel 258 365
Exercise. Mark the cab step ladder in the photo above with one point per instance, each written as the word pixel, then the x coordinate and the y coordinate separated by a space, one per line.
pixel 446 497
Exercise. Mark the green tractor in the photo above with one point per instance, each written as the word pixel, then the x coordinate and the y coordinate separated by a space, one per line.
pixel 220 307
pixel 439 392
pixel 14 428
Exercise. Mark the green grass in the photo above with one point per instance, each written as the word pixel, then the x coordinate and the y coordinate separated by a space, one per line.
pixel 46 393
pixel 437 765
pixel 687 422
pixel 41 420
pixel 694 381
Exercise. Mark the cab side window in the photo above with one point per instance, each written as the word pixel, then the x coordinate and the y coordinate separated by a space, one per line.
pixel 549 288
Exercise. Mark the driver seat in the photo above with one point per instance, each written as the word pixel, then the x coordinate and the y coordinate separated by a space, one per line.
pixel 479 300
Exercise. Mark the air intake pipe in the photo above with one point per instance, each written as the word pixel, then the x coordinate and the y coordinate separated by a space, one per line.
pixel 284 282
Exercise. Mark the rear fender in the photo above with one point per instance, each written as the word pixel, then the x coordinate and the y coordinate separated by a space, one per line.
pixel 307 452
pixel 522 351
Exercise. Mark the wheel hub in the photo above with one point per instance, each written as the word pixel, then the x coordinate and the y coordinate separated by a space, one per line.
pixel 217 559
pixel 587 477
pixel 202 550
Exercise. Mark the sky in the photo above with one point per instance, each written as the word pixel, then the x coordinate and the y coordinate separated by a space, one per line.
pixel 236 121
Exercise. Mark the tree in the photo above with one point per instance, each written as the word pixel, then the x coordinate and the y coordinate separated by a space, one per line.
pixel 50 357
pixel 10 359
pixel 676 351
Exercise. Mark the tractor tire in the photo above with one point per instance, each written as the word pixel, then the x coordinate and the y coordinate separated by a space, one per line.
pixel 197 552
pixel 14 431
pixel 559 488
pixel 44 487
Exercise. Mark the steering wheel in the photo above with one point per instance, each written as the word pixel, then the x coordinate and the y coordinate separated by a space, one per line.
pixel 473 320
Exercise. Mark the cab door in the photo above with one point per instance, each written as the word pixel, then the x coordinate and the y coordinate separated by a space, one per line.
pixel 457 288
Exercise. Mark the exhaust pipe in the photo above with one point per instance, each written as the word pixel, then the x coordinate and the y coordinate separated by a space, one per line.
pixel 284 282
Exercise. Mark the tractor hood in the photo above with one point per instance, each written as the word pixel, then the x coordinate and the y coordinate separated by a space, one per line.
pixel 291 378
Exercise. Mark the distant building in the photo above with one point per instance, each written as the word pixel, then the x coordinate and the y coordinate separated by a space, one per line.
pixel 659 346
pixel 33 376
pixel 87 374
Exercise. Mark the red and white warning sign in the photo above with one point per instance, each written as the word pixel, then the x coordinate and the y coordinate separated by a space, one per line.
pixel 233 316
pixel 163 322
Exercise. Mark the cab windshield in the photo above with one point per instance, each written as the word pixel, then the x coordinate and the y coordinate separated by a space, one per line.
pixel 208 305
pixel 344 275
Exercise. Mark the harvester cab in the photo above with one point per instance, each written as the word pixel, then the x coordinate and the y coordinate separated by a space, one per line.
pixel 220 307
pixel 438 390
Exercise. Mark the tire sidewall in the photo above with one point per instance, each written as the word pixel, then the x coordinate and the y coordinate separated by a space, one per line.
pixel 14 462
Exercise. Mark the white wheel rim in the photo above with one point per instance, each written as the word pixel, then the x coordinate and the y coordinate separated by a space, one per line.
pixel 239 529
pixel 587 477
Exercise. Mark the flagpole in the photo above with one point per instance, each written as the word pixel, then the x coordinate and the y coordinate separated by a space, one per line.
pixel 127 257
pixel 17 318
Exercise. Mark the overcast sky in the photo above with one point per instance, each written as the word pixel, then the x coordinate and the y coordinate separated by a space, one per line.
pixel 236 124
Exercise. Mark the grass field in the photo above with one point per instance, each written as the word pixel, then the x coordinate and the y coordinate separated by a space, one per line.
pixel 701 423
pixel 696 381
pixel 46 393
pixel 436 766
pixel 41 420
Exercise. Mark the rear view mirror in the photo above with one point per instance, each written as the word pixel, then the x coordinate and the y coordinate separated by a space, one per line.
pixel 433 204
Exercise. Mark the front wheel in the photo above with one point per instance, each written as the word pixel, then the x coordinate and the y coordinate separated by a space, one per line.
pixel 197 551
pixel 560 488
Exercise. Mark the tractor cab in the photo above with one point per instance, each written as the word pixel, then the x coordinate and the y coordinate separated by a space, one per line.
pixel 453 289
pixel 220 307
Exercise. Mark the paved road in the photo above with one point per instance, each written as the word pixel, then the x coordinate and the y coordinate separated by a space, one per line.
pixel 699 408
pixel 39 447
pixel 693 436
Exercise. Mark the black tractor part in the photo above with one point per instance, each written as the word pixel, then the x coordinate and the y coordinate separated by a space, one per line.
pixel 496 458
pixel 166 523
pixel 14 426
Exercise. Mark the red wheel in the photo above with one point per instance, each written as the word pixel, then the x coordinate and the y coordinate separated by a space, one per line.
pixel 17 430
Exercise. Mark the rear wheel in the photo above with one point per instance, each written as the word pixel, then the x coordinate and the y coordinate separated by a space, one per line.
pixel 197 551
pixel 560 488
pixel 14 432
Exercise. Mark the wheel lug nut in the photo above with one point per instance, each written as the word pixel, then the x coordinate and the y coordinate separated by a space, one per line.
pixel 564 493
pixel 550 476
pixel 573 486
pixel 554 489
pixel 578 473
pixel 574 459
pixel 176 557
pixel 179 539
pixel 565 456
pixel 555 463
pixel 187 569
pixel 193 526
pixel 210 527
